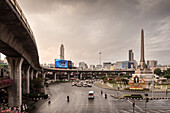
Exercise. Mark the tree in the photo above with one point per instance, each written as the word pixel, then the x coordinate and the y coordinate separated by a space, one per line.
pixel 157 71
pixel 103 77
pixel 167 76
pixel 126 75
pixel 168 71
pixel 37 84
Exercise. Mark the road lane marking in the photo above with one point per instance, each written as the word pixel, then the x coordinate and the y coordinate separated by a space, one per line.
pixel 131 102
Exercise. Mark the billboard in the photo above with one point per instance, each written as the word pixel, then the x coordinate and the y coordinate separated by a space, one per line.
pixel 69 64
pixel 61 63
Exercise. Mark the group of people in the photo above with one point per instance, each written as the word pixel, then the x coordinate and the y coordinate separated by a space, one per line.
pixel 49 101
pixel 104 94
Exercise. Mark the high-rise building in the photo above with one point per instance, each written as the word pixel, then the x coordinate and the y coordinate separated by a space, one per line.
pixel 107 65
pixel 131 55
pixel 99 67
pixel 124 65
pixel 92 67
pixel 62 52
pixel 152 63
pixel 83 65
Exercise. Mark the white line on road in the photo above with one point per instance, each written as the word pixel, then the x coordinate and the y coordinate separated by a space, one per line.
pixel 131 102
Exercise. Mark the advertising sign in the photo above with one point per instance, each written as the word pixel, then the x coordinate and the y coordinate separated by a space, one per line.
pixel 61 63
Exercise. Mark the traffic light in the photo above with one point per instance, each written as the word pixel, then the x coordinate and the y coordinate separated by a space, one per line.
pixel 147 99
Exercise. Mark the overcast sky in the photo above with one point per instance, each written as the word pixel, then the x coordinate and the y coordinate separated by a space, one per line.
pixel 87 27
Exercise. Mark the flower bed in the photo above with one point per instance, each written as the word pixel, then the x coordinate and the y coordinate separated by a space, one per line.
pixel 5 83
pixel 5 110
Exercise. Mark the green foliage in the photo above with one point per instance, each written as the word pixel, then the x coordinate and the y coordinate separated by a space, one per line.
pixel 157 71
pixel 127 76
pixel 168 71
pixel 110 81
pixel 103 77
pixel 127 96
pixel 37 84
pixel 145 89
pixel 35 95
pixel 136 96
pixel 167 76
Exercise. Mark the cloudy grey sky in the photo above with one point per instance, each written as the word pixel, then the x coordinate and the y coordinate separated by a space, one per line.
pixel 86 27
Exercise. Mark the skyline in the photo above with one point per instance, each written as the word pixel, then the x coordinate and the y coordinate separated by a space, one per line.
pixel 89 27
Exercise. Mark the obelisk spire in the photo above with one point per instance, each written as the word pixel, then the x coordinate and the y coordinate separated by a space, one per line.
pixel 142 47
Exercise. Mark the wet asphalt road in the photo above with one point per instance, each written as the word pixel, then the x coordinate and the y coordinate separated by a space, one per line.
pixel 79 102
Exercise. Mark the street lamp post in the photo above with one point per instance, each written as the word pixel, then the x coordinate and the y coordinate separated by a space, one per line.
pixel 100 58
pixel 166 92
pixel 152 85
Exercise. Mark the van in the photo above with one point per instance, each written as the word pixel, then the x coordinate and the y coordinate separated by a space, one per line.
pixel 91 95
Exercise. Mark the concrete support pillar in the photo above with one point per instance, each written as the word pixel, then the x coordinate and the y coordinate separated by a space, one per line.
pixel 43 74
pixel 55 74
pixel 57 77
pixel 36 75
pixel 27 76
pixel 81 75
pixel 14 91
pixel 23 83
pixel 32 74
pixel 68 77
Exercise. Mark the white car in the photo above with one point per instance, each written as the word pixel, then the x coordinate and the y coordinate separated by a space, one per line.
pixel 91 95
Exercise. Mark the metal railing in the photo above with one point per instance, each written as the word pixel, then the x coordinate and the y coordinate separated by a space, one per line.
pixel 22 16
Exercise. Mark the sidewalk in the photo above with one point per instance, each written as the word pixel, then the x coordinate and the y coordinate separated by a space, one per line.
pixel 105 86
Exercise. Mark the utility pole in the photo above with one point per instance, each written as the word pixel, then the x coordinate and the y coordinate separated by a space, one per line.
pixel 100 58
pixel 152 85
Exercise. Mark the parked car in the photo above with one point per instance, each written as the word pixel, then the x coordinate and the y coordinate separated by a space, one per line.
pixel 84 85
pixel 89 85
pixel 73 84
pixel 78 85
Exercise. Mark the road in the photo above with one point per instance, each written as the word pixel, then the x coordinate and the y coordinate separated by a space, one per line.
pixel 79 102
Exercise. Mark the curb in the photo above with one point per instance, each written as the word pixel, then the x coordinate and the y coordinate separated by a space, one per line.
pixel 150 98
pixel 134 91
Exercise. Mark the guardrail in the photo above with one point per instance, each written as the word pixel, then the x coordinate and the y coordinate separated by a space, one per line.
pixel 20 12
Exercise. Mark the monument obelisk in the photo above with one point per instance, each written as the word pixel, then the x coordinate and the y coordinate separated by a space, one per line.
pixel 142 64
pixel 142 74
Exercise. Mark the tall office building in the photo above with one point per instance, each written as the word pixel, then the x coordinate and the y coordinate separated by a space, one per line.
pixel 107 65
pixel 62 52
pixel 131 55
pixel 152 63
pixel 83 65
pixel 92 67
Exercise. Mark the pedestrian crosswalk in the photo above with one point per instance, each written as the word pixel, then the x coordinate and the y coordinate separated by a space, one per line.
pixel 148 111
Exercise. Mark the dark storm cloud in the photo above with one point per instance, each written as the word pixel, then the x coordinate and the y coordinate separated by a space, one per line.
pixel 89 26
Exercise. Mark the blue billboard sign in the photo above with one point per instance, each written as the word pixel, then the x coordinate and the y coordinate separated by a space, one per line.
pixel 61 63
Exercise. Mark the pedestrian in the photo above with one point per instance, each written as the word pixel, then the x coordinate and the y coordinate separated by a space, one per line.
pixel 101 92
pixel 49 102
pixel 68 99
pixel 105 95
